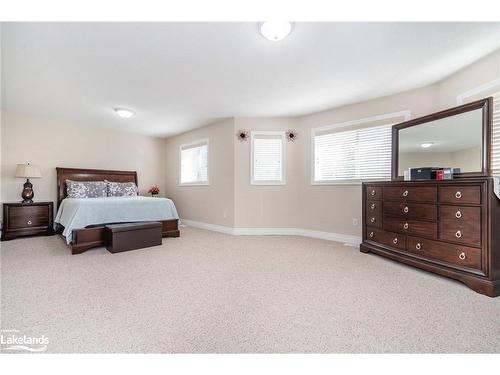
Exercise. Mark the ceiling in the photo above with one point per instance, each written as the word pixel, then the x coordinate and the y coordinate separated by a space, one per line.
pixel 179 76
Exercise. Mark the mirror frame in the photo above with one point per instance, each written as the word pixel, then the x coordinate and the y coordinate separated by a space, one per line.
pixel 485 104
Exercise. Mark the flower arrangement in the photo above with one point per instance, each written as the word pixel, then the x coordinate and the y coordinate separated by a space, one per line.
pixel 154 190
pixel 242 135
pixel 291 135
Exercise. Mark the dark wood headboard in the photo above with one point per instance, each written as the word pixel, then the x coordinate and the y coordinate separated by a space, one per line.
pixel 77 174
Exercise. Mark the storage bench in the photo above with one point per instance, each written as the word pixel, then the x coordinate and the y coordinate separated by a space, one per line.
pixel 131 236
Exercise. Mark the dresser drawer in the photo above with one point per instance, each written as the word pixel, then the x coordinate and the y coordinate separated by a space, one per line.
pixel 28 217
pixel 373 214
pixel 373 192
pixel 411 194
pixel 419 211
pixel 391 239
pixel 449 253
pixel 460 194
pixel 459 214
pixel 413 227
pixel 466 232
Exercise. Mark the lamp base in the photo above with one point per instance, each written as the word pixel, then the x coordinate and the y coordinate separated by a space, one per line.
pixel 27 193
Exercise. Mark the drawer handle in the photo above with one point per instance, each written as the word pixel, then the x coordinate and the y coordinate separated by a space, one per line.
pixel 371 234
pixel 373 192
pixel 458 234
pixel 372 220
pixel 395 241
pixel 458 194
pixel 405 193
pixel 372 206
pixel 29 222
pixel 462 256
pixel 406 209
pixel 458 215
pixel 406 226
pixel 418 246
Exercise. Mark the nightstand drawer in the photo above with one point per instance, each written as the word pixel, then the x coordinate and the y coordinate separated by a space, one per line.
pixel 28 217
pixel 31 219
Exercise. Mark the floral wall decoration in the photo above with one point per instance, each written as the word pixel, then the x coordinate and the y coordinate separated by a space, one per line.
pixel 242 135
pixel 291 135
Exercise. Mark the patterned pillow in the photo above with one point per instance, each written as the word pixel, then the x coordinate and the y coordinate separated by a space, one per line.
pixel 86 189
pixel 121 189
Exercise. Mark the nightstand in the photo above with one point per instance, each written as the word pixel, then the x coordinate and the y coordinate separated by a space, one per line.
pixel 33 219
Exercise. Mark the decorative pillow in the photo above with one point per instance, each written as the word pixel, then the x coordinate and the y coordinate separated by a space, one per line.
pixel 86 189
pixel 121 189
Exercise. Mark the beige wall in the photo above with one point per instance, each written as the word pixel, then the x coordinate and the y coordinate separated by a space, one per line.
pixel 52 144
pixel 213 203
pixel 271 206
pixel 299 204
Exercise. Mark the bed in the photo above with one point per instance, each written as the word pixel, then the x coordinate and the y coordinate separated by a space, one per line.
pixel 82 221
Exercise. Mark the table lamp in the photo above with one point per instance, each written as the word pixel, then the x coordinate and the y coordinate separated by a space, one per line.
pixel 28 171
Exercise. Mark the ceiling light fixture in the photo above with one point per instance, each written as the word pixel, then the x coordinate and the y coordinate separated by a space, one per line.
pixel 427 144
pixel 275 30
pixel 124 113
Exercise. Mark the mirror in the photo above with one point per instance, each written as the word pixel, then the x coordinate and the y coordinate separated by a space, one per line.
pixel 454 138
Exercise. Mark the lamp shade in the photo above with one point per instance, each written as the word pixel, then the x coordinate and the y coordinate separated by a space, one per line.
pixel 28 171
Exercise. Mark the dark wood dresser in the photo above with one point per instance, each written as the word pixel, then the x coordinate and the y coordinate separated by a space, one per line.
pixel 447 227
pixel 31 219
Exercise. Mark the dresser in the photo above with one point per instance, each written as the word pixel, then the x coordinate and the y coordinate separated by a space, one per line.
pixel 451 228
pixel 20 220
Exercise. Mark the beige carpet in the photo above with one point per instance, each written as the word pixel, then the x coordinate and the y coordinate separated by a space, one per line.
pixel 210 292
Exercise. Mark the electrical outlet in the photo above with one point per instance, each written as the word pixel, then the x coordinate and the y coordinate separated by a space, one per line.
pixel 224 214
pixel 355 222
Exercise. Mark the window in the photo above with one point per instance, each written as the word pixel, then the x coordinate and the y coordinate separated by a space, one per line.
pixel 354 151
pixel 495 136
pixel 194 163
pixel 268 158
pixel 484 91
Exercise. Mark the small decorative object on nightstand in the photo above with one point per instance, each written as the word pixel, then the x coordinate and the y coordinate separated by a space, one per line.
pixel 27 219
pixel 154 190
pixel 28 171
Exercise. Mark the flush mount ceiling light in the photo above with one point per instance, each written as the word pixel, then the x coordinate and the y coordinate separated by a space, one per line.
pixel 427 144
pixel 124 113
pixel 275 30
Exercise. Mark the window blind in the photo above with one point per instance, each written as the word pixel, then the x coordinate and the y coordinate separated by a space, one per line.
pixel 495 136
pixel 363 153
pixel 194 163
pixel 267 150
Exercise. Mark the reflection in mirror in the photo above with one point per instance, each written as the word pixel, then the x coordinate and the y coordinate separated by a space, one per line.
pixel 454 142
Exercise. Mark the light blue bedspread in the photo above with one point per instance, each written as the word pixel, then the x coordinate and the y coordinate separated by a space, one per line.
pixel 76 213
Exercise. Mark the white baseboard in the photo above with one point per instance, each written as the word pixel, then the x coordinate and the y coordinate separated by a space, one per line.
pixel 330 236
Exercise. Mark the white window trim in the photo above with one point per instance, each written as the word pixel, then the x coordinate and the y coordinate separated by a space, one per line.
pixel 187 145
pixel 461 99
pixel 283 157
pixel 405 114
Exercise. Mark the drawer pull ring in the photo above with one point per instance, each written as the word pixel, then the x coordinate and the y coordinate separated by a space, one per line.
pixel 373 192
pixel 372 206
pixel 372 220
pixel 405 193
pixel 371 234
pixel 418 246
pixel 458 234
pixel 458 215
pixel 458 194
pixel 462 256
pixel 29 222
pixel 395 241
pixel 406 209
pixel 406 226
